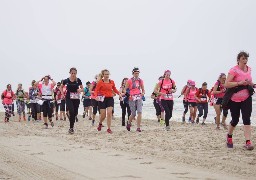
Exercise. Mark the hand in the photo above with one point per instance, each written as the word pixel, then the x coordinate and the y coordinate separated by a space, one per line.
pixel 79 90
pixel 97 98
pixel 244 83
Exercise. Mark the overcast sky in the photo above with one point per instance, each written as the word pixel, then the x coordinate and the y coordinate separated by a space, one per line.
pixel 195 39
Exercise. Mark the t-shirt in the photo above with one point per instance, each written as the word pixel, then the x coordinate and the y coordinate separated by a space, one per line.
pixel 240 75
pixel 72 87
pixel 57 94
pixel 46 90
pixel 20 94
pixel 8 95
pixel 221 87
pixel 33 93
pixel 191 95
pixel 94 84
pixel 202 95
pixel 105 88
pixel 166 87
pixel 87 92
pixel 135 86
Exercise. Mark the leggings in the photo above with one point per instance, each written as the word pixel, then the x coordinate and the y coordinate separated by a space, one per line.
pixel 73 105
pixel 185 104
pixel 8 110
pixel 157 107
pixel 95 105
pixel 168 107
pixel 203 109
pixel 21 107
pixel 34 107
pixel 47 109
pixel 125 106
pixel 245 107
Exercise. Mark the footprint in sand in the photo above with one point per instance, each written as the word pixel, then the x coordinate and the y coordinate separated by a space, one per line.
pixel 160 168
pixel 41 153
pixel 180 173
pixel 135 158
pixel 116 155
pixel 146 163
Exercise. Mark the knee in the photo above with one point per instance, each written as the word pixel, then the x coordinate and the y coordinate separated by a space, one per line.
pixel 234 123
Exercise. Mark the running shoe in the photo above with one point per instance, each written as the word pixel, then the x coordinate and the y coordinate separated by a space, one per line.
pixel 57 118
pixel 29 118
pixel 128 126
pixel 162 122
pixel 189 119
pixel 203 123
pixel 229 142
pixel 90 118
pixel 109 131
pixel 138 130
pixel 71 131
pixel 197 120
pixel 83 115
pixel 248 146
pixel 93 122
pixel 167 128
pixel 99 127
pixel 45 126
pixel 183 119
pixel 52 124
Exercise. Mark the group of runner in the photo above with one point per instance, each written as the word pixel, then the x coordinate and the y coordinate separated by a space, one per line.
pixel 232 92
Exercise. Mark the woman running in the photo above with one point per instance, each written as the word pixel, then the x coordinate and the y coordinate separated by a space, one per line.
pixel 63 107
pixel 87 102
pixel 157 104
pixel 218 92
pixel 185 101
pixel 240 78
pixel 20 101
pixel 74 88
pixel 124 101
pixel 202 96
pixel 166 89
pixel 104 93
pixel 95 103
pixel 34 95
pixel 7 97
pixel 57 98
pixel 46 90
pixel 190 94
pixel 137 91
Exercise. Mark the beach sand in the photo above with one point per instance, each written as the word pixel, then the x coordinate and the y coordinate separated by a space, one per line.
pixel 186 152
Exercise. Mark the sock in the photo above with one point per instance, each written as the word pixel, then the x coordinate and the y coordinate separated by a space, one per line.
pixel 230 136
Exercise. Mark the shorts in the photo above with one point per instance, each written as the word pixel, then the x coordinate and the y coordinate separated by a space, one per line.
pixel 192 104
pixel 136 106
pixel 219 101
pixel 87 102
pixel 108 102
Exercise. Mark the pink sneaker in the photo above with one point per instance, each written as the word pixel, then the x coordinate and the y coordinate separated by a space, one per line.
pixel 248 146
pixel 229 142
pixel 138 130
pixel 99 127
pixel 109 131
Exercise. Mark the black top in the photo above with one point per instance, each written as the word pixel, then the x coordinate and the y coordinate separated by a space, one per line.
pixel 71 86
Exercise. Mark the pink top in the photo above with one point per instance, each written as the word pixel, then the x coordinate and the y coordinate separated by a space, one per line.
pixel 92 94
pixel 8 95
pixel 191 95
pixel 240 75
pixel 221 88
pixel 137 89
pixel 166 88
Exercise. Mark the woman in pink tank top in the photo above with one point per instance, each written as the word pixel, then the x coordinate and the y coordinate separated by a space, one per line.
pixel 190 95
pixel 241 101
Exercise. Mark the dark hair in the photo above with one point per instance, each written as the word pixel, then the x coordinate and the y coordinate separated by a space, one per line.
pixel 204 84
pixel 9 85
pixel 58 83
pixel 242 54
pixel 33 82
pixel 88 82
pixel 72 69
pixel 135 69
pixel 123 81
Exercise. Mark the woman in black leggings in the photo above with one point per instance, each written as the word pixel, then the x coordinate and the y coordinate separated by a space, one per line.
pixel 74 88
pixel 124 101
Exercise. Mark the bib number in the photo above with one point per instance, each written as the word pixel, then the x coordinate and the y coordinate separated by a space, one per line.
pixel 59 102
pixel 168 96
pixel 136 97
pixel 101 98
pixel 74 95
pixel 203 99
